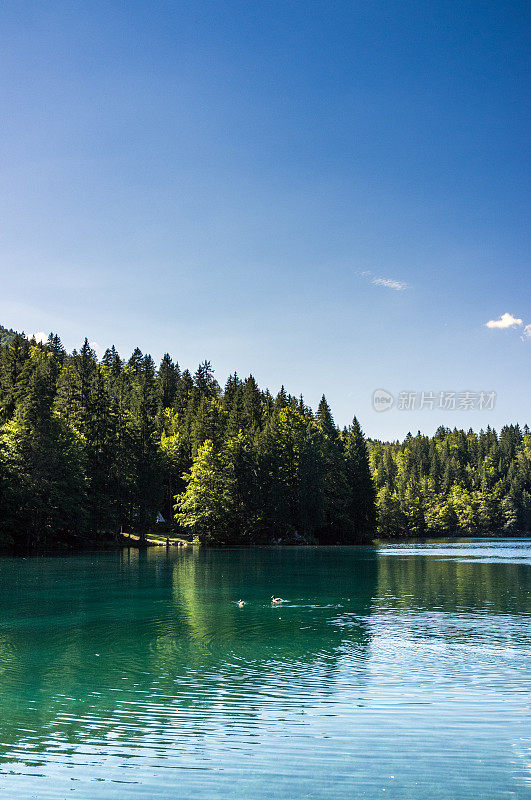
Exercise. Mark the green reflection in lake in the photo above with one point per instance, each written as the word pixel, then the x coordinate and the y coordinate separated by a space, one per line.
pixel 135 674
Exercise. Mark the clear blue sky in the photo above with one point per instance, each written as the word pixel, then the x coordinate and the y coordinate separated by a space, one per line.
pixel 330 195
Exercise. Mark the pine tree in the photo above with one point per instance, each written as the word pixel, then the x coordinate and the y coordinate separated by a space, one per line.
pixel 325 420
pixel 204 380
pixel 13 356
pixel 44 453
pixel 334 478
pixel 143 441
pixel 167 380
pixel 361 507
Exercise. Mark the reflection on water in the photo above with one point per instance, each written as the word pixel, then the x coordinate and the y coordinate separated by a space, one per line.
pixel 135 674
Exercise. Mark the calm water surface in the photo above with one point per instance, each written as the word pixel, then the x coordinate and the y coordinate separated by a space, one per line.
pixel 401 672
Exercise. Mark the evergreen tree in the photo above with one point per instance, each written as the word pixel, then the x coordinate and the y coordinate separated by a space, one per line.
pixel 43 452
pixel 334 478
pixel 167 380
pixel 147 493
pixel 361 509
pixel 206 507
pixel 204 380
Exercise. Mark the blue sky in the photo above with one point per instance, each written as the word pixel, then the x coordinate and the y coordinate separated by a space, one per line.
pixel 330 195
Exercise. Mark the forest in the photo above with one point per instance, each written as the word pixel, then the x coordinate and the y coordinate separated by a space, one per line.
pixel 454 482
pixel 91 447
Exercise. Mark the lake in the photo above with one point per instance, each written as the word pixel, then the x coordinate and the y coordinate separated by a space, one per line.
pixel 398 671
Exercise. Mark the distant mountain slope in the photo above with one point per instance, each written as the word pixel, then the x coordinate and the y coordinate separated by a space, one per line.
pixel 6 335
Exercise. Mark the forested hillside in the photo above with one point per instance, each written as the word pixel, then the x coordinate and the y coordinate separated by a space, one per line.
pixel 90 447
pixel 459 482
pixel 6 335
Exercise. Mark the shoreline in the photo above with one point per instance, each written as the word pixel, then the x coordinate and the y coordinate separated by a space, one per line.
pixel 134 542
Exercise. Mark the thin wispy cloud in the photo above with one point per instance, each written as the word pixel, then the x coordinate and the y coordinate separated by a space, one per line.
pixel 505 321
pixel 396 286
pixel 387 283
pixel 527 333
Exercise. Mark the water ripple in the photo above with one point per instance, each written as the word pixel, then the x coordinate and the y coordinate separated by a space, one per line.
pixel 137 676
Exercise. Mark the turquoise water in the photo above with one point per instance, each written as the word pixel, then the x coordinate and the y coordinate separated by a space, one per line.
pixel 401 671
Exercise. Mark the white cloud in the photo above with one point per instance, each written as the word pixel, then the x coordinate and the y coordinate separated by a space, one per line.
pixel 397 286
pixel 388 283
pixel 527 333
pixel 40 336
pixel 97 349
pixel 505 321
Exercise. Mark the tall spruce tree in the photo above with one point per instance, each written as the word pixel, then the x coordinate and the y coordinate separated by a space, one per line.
pixel 361 509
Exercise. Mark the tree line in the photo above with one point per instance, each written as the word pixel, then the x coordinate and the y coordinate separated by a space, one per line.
pixel 454 482
pixel 90 447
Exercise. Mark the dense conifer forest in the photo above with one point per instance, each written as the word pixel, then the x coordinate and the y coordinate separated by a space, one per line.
pixel 454 482
pixel 90 447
